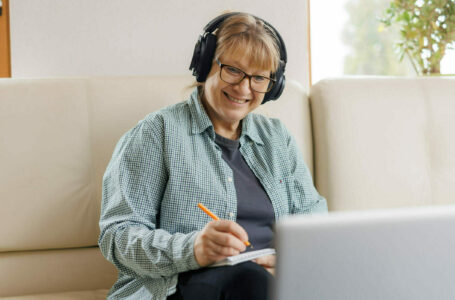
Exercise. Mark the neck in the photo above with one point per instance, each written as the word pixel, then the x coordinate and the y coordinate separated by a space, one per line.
pixel 232 131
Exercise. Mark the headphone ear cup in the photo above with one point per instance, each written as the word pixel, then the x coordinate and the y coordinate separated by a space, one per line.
pixel 207 51
pixel 278 87
pixel 196 56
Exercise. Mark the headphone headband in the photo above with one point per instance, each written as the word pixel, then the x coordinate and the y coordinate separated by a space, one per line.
pixel 215 23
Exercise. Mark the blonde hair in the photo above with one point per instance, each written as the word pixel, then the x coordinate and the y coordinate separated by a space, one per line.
pixel 248 35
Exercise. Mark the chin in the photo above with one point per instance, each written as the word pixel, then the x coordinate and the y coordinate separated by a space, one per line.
pixel 235 117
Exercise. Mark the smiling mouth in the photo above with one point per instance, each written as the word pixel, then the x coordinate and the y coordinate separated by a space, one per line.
pixel 239 101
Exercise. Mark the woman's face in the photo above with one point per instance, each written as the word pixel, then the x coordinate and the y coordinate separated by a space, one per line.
pixel 228 104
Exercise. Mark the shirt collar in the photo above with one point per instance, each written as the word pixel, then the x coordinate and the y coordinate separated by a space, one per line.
pixel 201 121
pixel 250 129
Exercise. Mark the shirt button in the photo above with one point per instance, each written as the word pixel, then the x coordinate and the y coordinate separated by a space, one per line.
pixel 231 214
pixel 230 179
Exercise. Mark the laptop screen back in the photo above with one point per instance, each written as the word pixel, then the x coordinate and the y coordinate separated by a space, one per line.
pixel 390 254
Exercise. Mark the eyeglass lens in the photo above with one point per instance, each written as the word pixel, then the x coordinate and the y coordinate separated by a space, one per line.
pixel 234 75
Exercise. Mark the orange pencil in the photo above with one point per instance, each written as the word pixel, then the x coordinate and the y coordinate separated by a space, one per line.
pixel 213 216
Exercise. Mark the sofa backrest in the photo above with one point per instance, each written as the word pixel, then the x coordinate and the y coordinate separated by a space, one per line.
pixel 56 139
pixel 384 142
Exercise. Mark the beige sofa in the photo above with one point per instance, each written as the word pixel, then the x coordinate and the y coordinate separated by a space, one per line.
pixel 384 142
pixel 378 142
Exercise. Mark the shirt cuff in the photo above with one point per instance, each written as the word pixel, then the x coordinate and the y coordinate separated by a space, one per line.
pixel 191 262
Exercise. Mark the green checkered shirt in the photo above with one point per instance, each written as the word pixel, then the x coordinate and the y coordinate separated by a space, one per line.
pixel 168 163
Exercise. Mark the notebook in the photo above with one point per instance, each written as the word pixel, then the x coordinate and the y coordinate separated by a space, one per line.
pixel 242 257
pixel 397 254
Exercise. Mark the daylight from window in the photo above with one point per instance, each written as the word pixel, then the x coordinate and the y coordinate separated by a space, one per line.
pixel 347 38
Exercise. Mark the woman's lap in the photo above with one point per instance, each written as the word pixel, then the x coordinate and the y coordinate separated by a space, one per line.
pixel 243 281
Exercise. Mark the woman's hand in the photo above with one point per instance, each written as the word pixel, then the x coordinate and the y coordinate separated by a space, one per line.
pixel 268 262
pixel 218 240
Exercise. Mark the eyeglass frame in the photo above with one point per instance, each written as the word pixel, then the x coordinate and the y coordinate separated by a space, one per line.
pixel 269 88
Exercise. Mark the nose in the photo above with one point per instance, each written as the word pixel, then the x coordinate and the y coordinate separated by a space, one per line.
pixel 244 85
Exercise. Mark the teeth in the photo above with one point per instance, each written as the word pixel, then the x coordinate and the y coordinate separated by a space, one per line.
pixel 240 101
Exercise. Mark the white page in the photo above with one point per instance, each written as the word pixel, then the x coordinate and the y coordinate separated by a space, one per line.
pixel 236 259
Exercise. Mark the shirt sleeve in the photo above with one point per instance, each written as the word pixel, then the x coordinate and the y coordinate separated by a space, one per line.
pixel 306 199
pixel 133 186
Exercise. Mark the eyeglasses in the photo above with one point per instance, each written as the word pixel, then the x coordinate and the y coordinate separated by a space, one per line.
pixel 233 75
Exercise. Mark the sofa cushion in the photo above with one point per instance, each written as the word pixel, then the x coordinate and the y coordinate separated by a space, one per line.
pixel 78 295
pixel 45 177
pixel 54 271
pixel 384 142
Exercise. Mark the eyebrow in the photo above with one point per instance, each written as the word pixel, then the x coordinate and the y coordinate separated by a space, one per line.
pixel 243 69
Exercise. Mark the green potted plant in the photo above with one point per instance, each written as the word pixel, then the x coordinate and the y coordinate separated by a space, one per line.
pixel 427 30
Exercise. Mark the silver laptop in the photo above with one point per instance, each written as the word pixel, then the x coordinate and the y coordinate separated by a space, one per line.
pixel 389 254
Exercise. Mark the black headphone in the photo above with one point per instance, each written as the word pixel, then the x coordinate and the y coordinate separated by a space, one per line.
pixel 201 63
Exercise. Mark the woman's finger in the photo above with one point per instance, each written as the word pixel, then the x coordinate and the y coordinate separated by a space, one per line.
pixel 226 240
pixel 231 227
pixel 220 250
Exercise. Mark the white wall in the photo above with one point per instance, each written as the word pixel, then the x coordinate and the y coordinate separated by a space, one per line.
pixel 61 38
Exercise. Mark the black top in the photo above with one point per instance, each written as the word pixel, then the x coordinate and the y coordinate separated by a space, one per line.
pixel 254 208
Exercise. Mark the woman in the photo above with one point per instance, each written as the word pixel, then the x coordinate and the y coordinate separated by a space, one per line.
pixel 244 167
